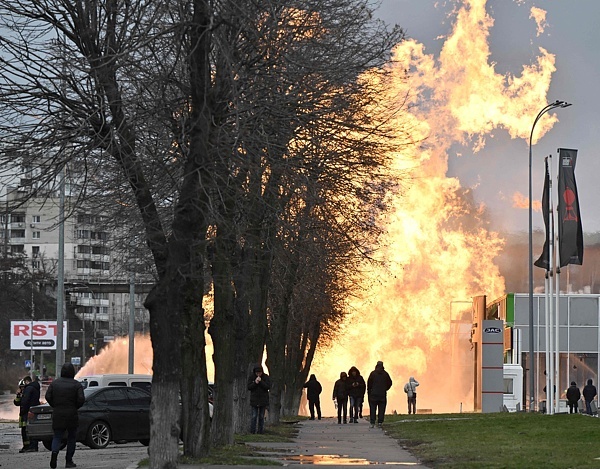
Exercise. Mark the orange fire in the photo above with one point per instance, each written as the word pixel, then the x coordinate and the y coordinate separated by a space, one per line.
pixel 416 317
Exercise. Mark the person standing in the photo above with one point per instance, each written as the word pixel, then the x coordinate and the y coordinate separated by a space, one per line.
pixel 27 396
pixel 340 395
pixel 573 396
pixel 259 384
pixel 378 384
pixel 589 392
pixel 313 390
pixel 356 393
pixel 410 389
pixel 65 395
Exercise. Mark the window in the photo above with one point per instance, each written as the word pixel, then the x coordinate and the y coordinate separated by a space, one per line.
pixel 17 233
pixel 83 234
pixel 35 234
pixel 35 251
pixel 35 218
pixel 138 397
pixel 84 249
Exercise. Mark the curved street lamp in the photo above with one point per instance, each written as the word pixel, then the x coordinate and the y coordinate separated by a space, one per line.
pixel 549 107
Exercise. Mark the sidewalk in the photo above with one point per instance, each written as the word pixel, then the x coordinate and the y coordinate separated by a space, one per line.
pixel 324 442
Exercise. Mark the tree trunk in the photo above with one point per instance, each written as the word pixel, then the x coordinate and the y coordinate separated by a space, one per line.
pixel 165 330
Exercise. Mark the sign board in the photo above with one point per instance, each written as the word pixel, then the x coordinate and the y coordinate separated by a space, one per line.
pixel 109 338
pixel 76 360
pixel 42 336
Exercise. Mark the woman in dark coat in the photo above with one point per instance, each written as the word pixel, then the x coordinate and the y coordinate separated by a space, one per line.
pixel 259 384
pixel 65 395
pixel 340 395
pixel 313 389
pixel 356 392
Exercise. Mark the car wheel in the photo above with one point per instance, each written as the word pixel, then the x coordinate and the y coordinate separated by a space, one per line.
pixel 48 444
pixel 145 442
pixel 98 435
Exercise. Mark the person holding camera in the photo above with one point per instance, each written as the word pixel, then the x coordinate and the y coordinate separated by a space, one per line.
pixel 410 389
pixel 259 384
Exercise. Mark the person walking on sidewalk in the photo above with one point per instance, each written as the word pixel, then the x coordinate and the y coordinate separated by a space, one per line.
pixel 356 393
pixel 340 395
pixel 378 384
pixel 259 385
pixel 65 395
pixel 410 389
pixel 313 390
pixel 27 396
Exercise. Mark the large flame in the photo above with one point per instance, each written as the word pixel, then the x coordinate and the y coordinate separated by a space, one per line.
pixel 440 255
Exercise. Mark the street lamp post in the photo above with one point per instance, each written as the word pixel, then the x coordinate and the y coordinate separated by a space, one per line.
pixel 549 107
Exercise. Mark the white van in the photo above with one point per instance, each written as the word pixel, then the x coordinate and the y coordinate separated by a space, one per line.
pixel 132 380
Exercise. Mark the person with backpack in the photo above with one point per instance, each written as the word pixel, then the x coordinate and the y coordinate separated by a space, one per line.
pixel 410 389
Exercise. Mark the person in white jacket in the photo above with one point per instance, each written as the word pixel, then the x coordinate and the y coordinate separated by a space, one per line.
pixel 410 389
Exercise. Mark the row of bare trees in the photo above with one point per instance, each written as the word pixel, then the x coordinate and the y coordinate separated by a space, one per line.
pixel 247 142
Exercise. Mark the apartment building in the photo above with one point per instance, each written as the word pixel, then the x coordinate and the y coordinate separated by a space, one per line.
pixel 97 283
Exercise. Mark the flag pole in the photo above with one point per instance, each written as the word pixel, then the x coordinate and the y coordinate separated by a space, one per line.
pixel 547 342
pixel 550 324
pixel 557 305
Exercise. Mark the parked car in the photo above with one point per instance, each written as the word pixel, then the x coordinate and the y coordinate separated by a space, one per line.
pixel 114 413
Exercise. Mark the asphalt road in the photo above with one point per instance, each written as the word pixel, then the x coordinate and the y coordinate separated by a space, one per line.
pixel 125 456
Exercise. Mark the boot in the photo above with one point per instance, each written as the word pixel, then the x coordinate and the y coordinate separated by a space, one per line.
pixel 53 460
pixel 70 464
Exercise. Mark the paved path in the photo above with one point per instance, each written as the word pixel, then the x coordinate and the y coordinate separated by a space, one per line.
pixel 324 442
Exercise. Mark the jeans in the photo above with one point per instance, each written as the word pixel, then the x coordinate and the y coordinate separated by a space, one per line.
pixel 257 424
pixel 311 406
pixel 71 441
pixel 412 404
pixel 342 408
pixel 572 407
pixel 355 406
pixel 377 408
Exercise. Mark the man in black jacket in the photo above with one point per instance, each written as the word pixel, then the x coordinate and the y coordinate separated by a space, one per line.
pixel 589 392
pixel 573 396
pixel 27 396
pixel 313 390
pixel 377 386
pixel 65 395
pixel 259 384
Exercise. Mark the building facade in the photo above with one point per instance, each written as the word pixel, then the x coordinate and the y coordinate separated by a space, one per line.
pixel 97 283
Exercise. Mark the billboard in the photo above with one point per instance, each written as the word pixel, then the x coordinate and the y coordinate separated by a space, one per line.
pixel 36 335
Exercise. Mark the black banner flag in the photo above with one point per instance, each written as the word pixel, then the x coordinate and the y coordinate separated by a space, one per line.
pixel 570 231
pixel 544 260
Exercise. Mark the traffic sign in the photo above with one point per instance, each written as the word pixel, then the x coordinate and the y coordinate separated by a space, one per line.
pixel 76 360
pixel 27 363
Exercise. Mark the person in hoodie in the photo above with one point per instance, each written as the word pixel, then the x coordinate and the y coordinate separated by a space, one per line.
pixel 410 389
pixel 340 395
pixel 573 396
pixel 356 392
pixel 589 392
pixel 259 385
pixel 27 396
pixel 378 384
pixel 313 390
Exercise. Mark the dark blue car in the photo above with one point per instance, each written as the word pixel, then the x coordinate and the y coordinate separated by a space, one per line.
pixel 113 413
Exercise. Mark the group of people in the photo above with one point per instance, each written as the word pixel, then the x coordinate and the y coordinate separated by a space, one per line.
pixel 574 395
pixel 65 395
pixel 351 387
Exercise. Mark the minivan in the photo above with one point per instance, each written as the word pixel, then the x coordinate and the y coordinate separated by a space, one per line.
pixel 131 380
